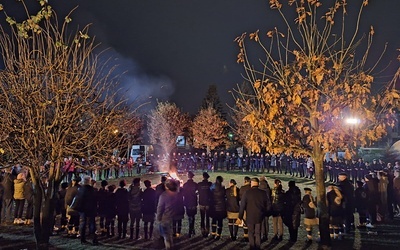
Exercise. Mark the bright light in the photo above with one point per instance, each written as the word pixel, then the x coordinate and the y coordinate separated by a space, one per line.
pixel 174 175
pixel 352 121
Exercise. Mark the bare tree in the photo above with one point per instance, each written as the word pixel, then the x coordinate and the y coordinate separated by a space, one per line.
pixel 56 100
pixel 307 82
pixel 208 129
pixel 165 123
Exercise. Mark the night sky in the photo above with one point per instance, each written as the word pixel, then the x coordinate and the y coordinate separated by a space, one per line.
pixel 174 49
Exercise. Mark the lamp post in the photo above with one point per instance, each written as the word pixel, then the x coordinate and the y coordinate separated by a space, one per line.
pixel 352 121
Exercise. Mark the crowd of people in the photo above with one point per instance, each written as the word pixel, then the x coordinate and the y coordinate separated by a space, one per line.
pixel 111 210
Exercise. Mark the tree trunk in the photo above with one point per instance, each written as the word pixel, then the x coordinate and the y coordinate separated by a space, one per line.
pixel 43 217
pixel 321 200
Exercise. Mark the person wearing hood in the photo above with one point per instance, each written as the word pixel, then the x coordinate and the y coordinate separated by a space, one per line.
pixel 19 198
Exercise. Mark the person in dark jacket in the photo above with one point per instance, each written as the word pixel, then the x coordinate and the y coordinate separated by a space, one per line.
pixel 8 200
pixel 179 214
pixel 335 210
pixel 28 193
pixel 166 210
pixel 347 190
pixel 309 207
pixel 218 207
pixel 160 188
pixel 122 208
pixel 265 224
pixel 87 204
pixel 256 203
pixel 61 205
pixel 135 207
pixel 372 185
pixel 292 210
pixel 101 205
pixel 278 203
pixel 232 208
pixel 204 190
pixel 110 211
pixel 246 186
pixel 148 209
pixel 190 201
pixel 73 221
pixel 361 203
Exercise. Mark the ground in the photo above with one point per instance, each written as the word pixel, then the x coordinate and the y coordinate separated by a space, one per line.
pixel 387 237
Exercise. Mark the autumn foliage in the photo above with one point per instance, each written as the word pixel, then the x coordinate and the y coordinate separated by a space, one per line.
pixel 208 129
pixel 56 101
pixel 308 80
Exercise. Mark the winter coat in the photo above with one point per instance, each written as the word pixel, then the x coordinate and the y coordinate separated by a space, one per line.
pixel 347 190
pixel 361 199
pixel 110 210
pixel 122 203
pixel 61 200
pixel 335 202
pixel 218 206
pixel 28 190
pixel 372 187
pixel 149 205
pixel 265 187
pixel 70 194
pixel 232 202
pixel 179 208
pixel 292 207
pixel 86 198
pixel 160 188
pixel 8 185
pixel 135 199
pixel 166 208
pixel 309 206
pixel 243 189
pixel 204 190
pixel 102 201
pixel 278 201
pixel 189 194
pixel 256 203
pixel 383 194
pixel 19 189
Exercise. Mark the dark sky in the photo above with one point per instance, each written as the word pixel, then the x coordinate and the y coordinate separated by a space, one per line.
pixel 174 49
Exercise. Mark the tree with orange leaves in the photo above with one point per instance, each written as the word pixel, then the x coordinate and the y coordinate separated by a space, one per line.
pixel 208 129
pixel 309 80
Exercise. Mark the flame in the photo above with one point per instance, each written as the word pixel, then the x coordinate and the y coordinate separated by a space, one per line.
pixel 174 175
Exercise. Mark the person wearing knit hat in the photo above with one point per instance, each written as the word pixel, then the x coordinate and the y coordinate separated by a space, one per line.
pixel 309 210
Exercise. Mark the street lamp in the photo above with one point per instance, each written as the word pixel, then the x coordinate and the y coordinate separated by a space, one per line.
pixel 352 121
